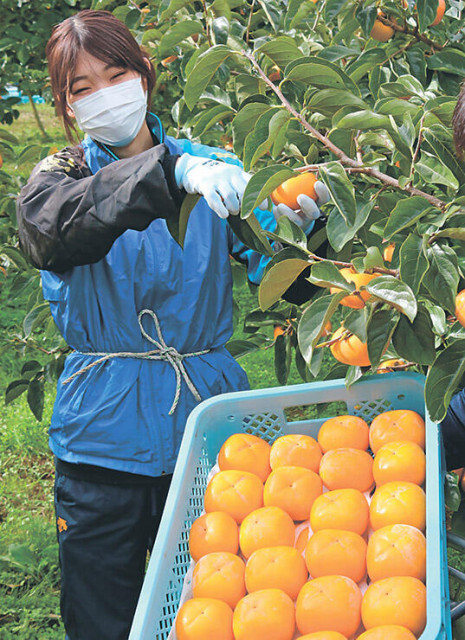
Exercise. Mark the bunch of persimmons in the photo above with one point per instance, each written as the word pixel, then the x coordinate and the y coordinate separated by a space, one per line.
pixel 313 539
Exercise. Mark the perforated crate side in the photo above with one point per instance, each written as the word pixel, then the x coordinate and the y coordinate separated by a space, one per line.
pixel 182 557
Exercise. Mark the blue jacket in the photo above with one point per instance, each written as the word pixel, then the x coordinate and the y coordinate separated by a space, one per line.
pixel 116 414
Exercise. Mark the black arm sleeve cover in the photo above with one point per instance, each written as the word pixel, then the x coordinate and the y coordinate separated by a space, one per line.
pixel 69 217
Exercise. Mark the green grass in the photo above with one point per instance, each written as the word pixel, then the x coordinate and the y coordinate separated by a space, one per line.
pixel 25 127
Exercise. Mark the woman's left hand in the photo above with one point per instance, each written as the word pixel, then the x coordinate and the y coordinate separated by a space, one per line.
pixel 309 209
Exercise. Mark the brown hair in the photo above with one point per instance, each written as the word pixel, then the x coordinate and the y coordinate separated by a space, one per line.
pixel 458 123
pixel 102 35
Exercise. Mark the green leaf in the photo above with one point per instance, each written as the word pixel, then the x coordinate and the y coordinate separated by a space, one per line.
pixel 373 258
pixel 444 378
pixel 178 226
pixel 271 13
pixel 250 232
pixel 438 317
pixel 442 277
pixel 366 61
pixel 281 50
pixel 35 398
pixel 257 318
pixel 15 256
pixel 239 348
pixel 352 375
pixel 9 137
pixel 220 28
pixel 313 322
pixel 289 233
pixel 328 101
pixel 407 130
pixel 341 190
pixel 317 361
pixel 319 73
pixel 413 85
pixel 260 140
pixel 247 85
pixel 433 171
pixel 339 232
pixel 355 321
pixel 437 138
pixel 443 108
pixel 278 279
pixel 417 62
pixel 380 328
pixel 15 389
pixel 455 234
pixel 326 274
pixel 30 368
pixel 414 341
pixel 179 32
pixel 406 212
pixel 31 152
pixel 35 317
pixel 260 186
pixel 282 358
pixel 450 60
pixel 210 117
pixel 458 527
pixel 245 121
pixel 333 8
pixel 426 10
pixel 366 16
pixel 205 67
pixel 172 8
pixel 397 107
pixel 396 293
pixel 413 262
pixel 365 119
pixel 452 494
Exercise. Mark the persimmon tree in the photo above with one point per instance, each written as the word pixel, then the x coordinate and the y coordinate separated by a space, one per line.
pixel 295 87
pixel 292 86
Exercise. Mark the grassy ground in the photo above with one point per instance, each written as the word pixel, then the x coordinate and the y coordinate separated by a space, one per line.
pixel 29 575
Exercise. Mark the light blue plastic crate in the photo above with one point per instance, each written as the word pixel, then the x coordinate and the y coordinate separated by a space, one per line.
pixel 263 413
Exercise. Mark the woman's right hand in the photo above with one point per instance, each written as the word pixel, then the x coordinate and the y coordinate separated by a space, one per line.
pixel 221 184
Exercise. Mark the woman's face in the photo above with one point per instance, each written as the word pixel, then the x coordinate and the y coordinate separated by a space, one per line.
pixel 91 74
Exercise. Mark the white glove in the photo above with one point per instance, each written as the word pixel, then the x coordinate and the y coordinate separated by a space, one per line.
pixel 221 184
pixel 309 209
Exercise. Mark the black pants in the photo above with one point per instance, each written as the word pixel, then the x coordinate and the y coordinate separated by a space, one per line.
pixel 104 530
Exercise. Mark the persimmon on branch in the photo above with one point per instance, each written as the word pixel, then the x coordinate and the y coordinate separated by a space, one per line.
pixel 353 166
pixel 420 37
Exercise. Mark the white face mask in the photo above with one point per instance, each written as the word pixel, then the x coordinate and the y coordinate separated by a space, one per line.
pixel 113 115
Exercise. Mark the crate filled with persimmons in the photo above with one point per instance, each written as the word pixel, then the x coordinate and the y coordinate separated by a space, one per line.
pixel 317 539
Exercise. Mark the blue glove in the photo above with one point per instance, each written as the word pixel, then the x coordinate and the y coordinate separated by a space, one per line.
pixel 309 209
pixel 221 184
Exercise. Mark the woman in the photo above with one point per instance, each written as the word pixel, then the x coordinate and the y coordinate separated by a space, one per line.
pixel 147 320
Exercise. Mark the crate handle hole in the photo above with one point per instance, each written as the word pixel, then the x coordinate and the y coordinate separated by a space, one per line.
pixel 315 411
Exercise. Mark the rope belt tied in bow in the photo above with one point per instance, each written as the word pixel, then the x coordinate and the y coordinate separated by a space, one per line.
pixel 162 352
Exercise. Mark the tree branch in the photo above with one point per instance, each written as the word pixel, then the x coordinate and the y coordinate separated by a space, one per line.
pixel 207 26
pixel 339 263
pixel 247 33
pixel 354 166
pixel 414 32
